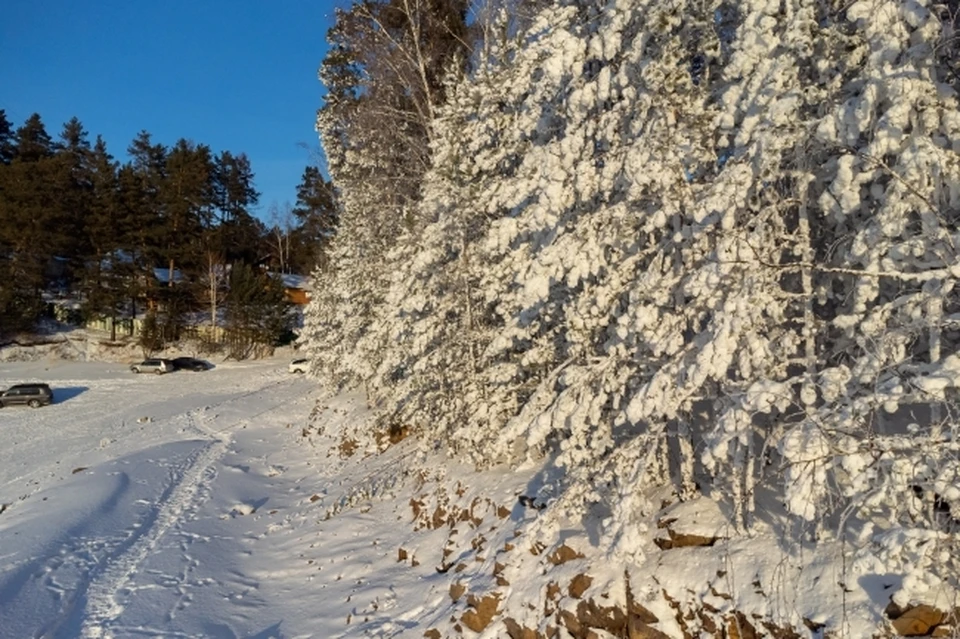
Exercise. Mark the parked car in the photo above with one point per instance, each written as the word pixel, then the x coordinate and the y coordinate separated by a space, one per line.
pixel 157 366
pixel 299 365
pixel 191 364
pixel 32 395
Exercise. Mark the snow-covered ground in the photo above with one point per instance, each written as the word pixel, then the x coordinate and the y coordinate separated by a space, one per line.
pixel 224 504
pixel 182 505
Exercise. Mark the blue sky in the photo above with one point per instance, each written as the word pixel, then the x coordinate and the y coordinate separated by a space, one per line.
pixel 238 76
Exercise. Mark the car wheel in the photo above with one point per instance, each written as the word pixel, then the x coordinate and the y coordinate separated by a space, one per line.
pixel 158 372
pixel 136 370
pixel 34 403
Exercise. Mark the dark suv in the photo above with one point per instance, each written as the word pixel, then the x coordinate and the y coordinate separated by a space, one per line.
pixel 32 395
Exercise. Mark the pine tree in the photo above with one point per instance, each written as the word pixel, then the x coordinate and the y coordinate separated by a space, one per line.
pixel 257 312
pixel 235 196
pixel 7 148
pixel 108 276
pixel 28 233
pixel 317 215
pixel 72 187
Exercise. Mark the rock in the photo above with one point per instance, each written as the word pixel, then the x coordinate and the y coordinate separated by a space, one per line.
pixel 681 540
pixel 516 631
pixel 917 621
pixel 456 590
pixel 637 629
pixel 698 522
pixel 482 611
pixel 739 627
pixel 563 554
pixel 579 585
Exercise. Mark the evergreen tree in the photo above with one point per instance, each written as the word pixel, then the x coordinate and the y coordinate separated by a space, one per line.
pixel 676 245
pixel 28 232
pixel 72 185
pixel 188 201
pixel 316 215
pixel 110 280
pixel 257 312
pixel 235 196
pixel 7 147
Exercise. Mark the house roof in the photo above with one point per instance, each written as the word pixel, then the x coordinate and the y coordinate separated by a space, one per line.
pixel 292 280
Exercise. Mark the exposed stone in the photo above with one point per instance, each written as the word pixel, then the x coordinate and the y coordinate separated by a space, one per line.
pixel 433 633
pixel 482 611
pixel 401 555
pixel 579 585
pixel 348 447
pixel 681 540
pixel 917 621
pixel 439 518
pixel 641 613
pixel 697 522
pixel 637 629
pixel 516 631
pixel 739 627
pixel 563 554
pixel 456 590
pixel 417 507
pixel 609 618
pixel 553 595
pixel 569 621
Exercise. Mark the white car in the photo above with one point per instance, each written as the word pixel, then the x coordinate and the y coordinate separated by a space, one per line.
pixel 299 365
pixel 153 365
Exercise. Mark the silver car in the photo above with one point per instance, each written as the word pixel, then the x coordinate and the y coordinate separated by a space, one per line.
pixel 156 366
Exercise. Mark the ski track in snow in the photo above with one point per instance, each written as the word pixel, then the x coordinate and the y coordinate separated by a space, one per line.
pixel 98 598
pixel 103 592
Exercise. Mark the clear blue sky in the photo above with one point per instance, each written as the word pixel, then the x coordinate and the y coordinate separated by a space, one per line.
pixel 238 76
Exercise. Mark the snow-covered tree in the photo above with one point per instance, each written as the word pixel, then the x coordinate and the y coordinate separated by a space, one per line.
pixel 677 246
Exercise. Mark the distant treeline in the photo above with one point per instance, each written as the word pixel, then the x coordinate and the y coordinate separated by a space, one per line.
pixel 163 230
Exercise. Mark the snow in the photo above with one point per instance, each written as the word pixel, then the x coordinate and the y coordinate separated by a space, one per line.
pixel 217 504
pixel 196 521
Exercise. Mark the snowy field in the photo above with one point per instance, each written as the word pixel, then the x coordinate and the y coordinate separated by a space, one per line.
pixel 182 505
